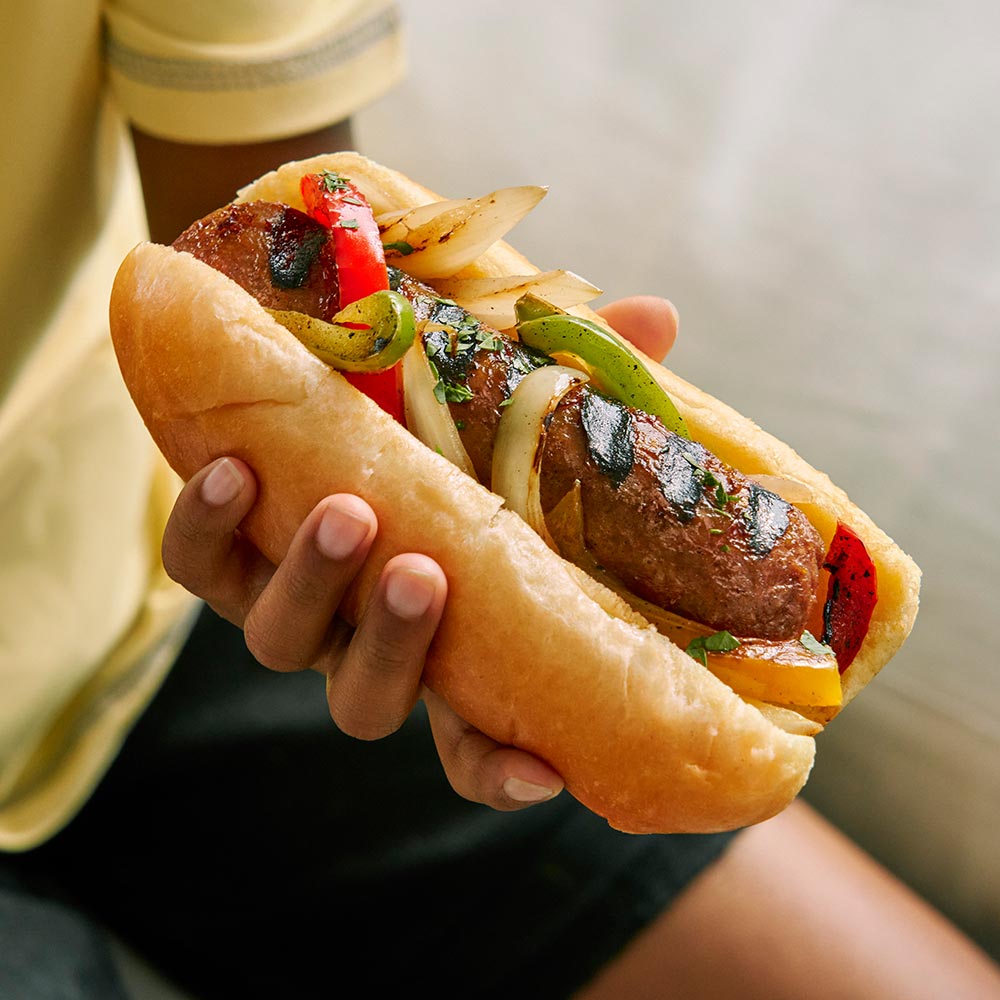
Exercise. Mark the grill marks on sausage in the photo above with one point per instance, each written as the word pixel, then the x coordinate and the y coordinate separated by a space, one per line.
pixel 278 254
pixel 678 478
pixel 749 563
pixel 295 242
pixel 662 533
pixel 743 560
pixel 766 517
pixel 608 426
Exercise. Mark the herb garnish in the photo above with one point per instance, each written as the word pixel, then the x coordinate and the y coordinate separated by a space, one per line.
pixel 400 246
pixel 333 182
pixel 446 392
pixel 348 224
pixel 456 335
pixel 489 340
pixel 719 642
pixel 709 481
pixel 814 645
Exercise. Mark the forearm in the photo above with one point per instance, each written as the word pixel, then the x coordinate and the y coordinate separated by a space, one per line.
pixel 182 182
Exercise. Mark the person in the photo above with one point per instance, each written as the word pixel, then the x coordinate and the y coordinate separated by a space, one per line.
pixel 159 784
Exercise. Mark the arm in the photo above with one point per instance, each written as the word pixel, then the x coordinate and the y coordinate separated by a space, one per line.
pixel 182 182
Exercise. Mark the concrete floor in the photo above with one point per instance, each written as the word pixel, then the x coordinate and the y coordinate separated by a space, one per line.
pixel 813 183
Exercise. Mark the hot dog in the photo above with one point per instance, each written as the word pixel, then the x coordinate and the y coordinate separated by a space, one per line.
pixel 532 650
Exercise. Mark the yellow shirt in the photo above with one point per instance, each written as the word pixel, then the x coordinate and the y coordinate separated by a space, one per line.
pixel 89 623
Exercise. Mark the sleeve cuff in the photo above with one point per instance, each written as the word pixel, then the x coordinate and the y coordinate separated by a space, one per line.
pixel 218 94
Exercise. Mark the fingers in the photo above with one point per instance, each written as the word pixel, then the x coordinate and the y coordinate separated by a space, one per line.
pixel 483 770
pixel 289 617
pixel 200 548
pixel 376 684
pixel 292 623
pixel 647 321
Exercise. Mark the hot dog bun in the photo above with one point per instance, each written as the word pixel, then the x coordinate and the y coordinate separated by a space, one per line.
pixel 528 651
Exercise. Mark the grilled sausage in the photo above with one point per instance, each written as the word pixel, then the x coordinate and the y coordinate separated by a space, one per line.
pixel 664 515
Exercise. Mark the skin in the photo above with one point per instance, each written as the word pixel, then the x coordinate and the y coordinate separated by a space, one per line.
pixel 793 908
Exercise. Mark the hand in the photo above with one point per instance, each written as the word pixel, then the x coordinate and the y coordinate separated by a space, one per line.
pixel 289 616
pixel 289 612
pixel 647 321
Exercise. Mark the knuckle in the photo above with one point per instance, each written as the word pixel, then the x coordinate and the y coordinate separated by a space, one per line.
pixel 463 765
pixel 184 547
pixel 373 690
pixel 179 565
pixel 386 658
pixel 367 721
pixel 267 645
pixel 302 589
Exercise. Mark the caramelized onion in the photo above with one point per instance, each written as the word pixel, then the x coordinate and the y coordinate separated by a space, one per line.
pixel 790 490
pixel 786 718
pixel 438 240
pixel 517 448
pixel 428 419
pixel 492 300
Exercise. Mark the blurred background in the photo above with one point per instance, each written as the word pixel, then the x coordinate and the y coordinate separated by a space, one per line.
pixel 815 186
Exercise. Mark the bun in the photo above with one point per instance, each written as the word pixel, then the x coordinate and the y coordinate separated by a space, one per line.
pixel 530 651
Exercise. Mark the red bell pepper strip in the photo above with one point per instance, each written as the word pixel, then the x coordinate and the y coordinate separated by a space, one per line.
pixel 852 594
pixel 357 247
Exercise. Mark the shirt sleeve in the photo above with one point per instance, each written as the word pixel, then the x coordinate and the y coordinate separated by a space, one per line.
pixel 234 71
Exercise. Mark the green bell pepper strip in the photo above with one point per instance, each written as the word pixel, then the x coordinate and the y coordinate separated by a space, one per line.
pixel 369 335
pixel 620 373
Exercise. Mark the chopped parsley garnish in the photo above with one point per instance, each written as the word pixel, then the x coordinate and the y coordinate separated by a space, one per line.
pixel 447 392
pixel 814 645
pixel 522 364
pixel 333 182
pixel 709 481
pixel 489 340
pixel 452 336
pixel 400 246
pixel 348 224
pixel 718 642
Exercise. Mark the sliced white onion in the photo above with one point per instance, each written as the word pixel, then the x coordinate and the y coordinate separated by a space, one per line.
pixel 517 446
pixel 790 490
pixel 426 418
pixel 786 718
pixel 447 236
pixel 492 299
pixel 415 217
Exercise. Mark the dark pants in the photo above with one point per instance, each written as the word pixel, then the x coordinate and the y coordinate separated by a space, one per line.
pixel 247 849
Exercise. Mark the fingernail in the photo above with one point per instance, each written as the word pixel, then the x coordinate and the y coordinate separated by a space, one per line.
pixel 409 593
pixel 222 485
pixel 340 533
pixel 525 791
